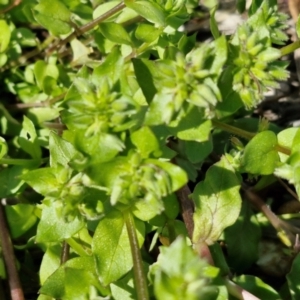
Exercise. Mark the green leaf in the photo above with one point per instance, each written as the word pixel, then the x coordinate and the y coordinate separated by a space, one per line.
pixel 241 5
pixel 104 8
pixel 260 154
pixel 50 262
pixel 187 43
pixel 42 180
pixel 179 274
pixel 193 127
pixel 146 210
pixel 257 287
pixel 5 36
pixel 197 152
pixel 115 33
pixel 124 288
pixel 28 139
pixel 42 70
pixel 11 181
pixel 3 59
pixel 145 71
pixel 44 114
pixel 25 37
pixel 3 147
pixel 177 175
pixel 295 146
pixel 111 66
pixel 145 140
pixel 100 148
pixel 213 24
pixel 73 280
pixel 20 218
pixel 292 278
pixel 53 15
pixel 198 131
pixel 285 139
pixel 243 248
pixel 53 227
pixel 111 247
pixel 61 151
pixel 80 53
pixel 151 11
pixel 214 197
pixel 147 33
pixel 298 27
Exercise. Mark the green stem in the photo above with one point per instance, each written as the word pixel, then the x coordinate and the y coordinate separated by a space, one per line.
pixel 245 134
pixel 219 259
pixel 234 130
pixel 139 275
pixel 290 48
pixel 21 162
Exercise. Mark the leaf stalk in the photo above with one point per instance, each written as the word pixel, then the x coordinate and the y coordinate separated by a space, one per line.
pixel 245 134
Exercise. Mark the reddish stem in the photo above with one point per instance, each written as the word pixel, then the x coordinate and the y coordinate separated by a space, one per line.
pixel 16 291
pixel 187 209
pixel 14 4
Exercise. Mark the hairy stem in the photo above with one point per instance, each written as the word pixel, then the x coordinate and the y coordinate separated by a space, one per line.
pixel 245 134
pixel 139 275
pixel 86 27
pixel 16 291
pixel 290 48
pixel 21 162
pixel 65 251
pixel 234 130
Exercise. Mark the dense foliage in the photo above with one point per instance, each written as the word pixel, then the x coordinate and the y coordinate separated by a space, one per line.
pixel 109 109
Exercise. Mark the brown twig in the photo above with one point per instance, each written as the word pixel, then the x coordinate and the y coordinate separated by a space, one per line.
pixel 86 28
pixel 16 291
pixel 290 191
pixel 45 103
pixel 64 253
pixel 14 4
pixel 187 208
pixel 280 225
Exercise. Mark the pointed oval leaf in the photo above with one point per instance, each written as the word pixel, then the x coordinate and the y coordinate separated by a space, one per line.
pixel 217 202
pixel 148 10
pixel 243 248
pixel 115 33
pixel 3 147
pixel 61 151
pixel 145 140
pixel 4 36
pixel 292 278
pixel 53 15
pixel 20 218
pixel 261 156
pixel 42 180
pixel 54 228
pixel 111 247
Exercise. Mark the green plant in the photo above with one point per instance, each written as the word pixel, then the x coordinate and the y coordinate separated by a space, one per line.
pixel 122 110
